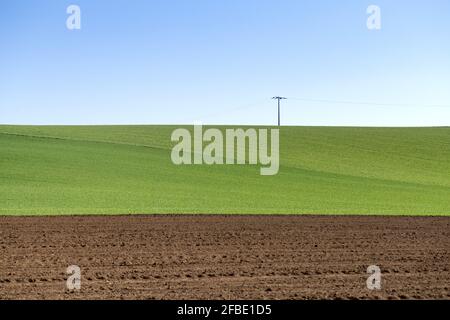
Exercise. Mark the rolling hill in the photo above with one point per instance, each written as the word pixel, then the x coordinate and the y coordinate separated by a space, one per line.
pixel 127 169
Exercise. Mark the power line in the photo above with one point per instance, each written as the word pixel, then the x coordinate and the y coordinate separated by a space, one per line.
pixel 259 102
pixel 232 109
pixel 369 103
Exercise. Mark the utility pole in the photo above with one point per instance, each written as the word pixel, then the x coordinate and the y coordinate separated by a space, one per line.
pixel 279 99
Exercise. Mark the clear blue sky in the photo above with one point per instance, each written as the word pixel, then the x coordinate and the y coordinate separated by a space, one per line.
pixel 220 61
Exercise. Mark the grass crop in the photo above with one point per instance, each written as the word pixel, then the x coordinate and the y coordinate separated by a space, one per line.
pixel 127 169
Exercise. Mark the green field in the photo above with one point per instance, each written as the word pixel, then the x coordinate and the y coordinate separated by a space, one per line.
pixel 127 169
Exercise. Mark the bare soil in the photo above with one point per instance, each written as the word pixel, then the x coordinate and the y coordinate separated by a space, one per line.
pixel 224 257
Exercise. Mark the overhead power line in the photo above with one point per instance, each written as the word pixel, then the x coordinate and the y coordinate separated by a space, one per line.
pixel 369 103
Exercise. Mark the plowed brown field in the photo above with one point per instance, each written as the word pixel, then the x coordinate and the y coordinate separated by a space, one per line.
pixel 224 257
